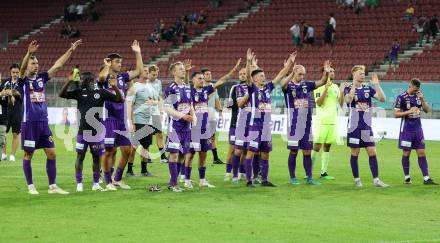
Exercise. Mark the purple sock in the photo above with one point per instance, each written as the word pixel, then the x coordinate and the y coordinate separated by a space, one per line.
pixel 307 163
pixel 27 169
pixel 423 164
pixel 242 168
pixel 248 164
pixel 96 176
pixel 112 169
pixel 202 171
pixel 292 165
pixel 373 166
pixel 108 177
pixel 405 165
pixel 79 177
pixel 264 169
pixel 256 165
pixel 180 169
pixel 235 165
pixel 118 174
pixel 172 166
pixel 51 170
pixel 228 168
pixel 188 173
pixel 354 166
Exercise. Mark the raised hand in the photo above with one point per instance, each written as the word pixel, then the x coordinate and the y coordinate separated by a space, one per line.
pixel 107 62
pixel 343 86
pixel 187 118
pixel 237 65
pixel 327 66
pixel 250 55
pixel 374 79
pixel 75 44
pixel 292 57
pixel 33 47
pixel 420 95
pixel 135 46
pixel 187 64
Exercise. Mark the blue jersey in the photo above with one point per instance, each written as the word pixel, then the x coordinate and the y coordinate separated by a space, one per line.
pixel 360 108
pixel 200 98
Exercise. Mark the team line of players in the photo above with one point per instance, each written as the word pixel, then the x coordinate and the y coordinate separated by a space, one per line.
pixel 189 132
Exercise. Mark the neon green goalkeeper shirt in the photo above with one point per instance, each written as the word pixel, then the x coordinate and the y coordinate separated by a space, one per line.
pixel 327 113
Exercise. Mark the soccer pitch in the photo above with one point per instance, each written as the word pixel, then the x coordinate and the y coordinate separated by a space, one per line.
pixel 334 212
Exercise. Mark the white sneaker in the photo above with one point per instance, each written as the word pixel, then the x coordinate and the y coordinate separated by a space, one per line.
pixel 175 189
pixel 110 187
pixel 121 184
pixel 97 187
pixel 241 176
pixel 163 161
pixel 205 183
pixel 4 157
pixel 227 177
pixel 79 187
pixel 188 184
pixel 32 190
pixel 357 182
pixel 54 189
pixel 377 182
pixel 11 157
pixel 182 178
pixel 235 180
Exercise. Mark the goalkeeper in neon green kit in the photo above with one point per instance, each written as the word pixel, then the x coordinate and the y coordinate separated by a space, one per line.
pixel 325 126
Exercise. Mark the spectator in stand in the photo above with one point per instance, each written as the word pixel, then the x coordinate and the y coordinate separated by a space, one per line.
pixel 394 52
pixel 332 21
pixel 169 35
pixel 409 12
pixel 79 11
pixel 202 18
pixel 328 34
pixel 372 3
pixel 305 26
pixel 65 31
pixel 348 4
pixel 71 13
pixel 423 28
pixel 359 6
pixel 309 39
pixel 433 27
pixel 296 35
pixel 154 37
pixel 92 13
pixel 74 33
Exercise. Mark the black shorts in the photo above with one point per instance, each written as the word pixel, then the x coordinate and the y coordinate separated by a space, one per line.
pixel 145 138
pixel 14 122
pixel 157 123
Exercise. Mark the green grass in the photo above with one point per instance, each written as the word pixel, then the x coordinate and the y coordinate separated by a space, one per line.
pixel 332 212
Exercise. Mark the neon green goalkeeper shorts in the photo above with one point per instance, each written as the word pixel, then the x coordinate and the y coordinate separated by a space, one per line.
pixel 325 134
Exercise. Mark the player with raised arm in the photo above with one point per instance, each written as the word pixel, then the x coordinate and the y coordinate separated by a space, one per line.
pixel 90 102
pixel 297 97
pixel 178 106
pixel 35 126
pixel 408 106
pixel 259 97
pixel 201 136
pixel 358 97
pixel 117 129
pixel 325 127
pixel 233 104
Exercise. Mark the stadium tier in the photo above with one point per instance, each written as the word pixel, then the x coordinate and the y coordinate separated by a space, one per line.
pixel 119 24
